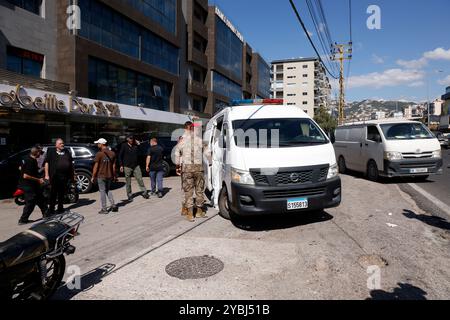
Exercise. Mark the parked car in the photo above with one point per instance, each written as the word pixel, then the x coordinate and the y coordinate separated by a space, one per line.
pixel 443 140
pixel 83 156
pixel 390 148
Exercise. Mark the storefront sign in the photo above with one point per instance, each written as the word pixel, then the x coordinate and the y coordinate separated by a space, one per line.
pixel 18 99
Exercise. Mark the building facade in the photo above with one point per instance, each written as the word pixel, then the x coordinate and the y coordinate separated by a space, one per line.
pixel 301 82
pixel 165 59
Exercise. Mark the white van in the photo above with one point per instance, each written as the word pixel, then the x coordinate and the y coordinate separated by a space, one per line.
pixel 294 169
pixel 389 148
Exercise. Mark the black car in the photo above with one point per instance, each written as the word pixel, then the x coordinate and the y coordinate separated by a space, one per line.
pixel 83 157
pixel 168 146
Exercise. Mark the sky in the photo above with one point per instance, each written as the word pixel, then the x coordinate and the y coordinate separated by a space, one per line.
pixel 408 58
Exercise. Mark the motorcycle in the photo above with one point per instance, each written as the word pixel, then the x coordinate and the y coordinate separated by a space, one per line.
pixel 32 263
pixel 72 195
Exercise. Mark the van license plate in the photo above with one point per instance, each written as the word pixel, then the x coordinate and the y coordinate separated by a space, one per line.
pixel 297 203
pixel 419 170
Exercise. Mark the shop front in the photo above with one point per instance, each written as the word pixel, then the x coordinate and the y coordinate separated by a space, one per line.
pixel 30 116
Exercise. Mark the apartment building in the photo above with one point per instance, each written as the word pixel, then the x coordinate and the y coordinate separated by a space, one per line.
pixel 301 82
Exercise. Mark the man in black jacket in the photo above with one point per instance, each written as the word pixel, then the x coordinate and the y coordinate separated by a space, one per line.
pixel 31 184
pixel 129 163
pixel 58 171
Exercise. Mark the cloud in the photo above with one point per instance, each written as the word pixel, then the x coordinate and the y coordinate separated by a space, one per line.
pixel 376 59
pixel 413 64
pixel 387 78
pixel 445 81
pixel 416 84
pixel 438 54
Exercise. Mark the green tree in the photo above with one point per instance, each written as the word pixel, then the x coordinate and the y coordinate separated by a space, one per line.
pixel 325 120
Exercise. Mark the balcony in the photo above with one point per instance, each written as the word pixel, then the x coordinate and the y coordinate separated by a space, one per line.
pixel 198 57
pixel 13 79
pixel 199 27
pixel 197 88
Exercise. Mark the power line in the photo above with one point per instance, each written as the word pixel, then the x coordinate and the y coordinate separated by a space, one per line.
pixel 309 38
pixel 350 19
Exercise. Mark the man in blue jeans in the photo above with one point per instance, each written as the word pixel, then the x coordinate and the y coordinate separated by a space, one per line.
pixel 104 173
pixel 155 166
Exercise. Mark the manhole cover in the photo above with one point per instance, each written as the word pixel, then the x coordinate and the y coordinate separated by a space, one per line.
pixel 194 267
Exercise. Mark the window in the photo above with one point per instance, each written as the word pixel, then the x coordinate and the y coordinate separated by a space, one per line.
pixel 224 86
pixel 33 6
pixel 305 102
pixel 305 111
pixel 199 43
pixel 263 78
pixel 305 93
pixel 305 66
pixel 291 104
pixel 162 12
pixel 373 134
pixel 81 153
pixel 406 131
pixel 291 95
pixel 197 75
pixel 112 83
pixel 292 68
pixel 279 95
pixel 292 77
pixel 305 75
pixel 111 29
pixel 254 133
pixel 24 61
pixel 228 49
pixel 198 105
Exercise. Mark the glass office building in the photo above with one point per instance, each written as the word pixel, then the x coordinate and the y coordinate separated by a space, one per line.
pixel 161 11
pixel 224 86
pixel 263 78
pixel 228 49
pixel 101 24
pixel 113 83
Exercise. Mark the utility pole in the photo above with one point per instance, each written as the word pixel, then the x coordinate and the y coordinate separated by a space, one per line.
pixel 341 52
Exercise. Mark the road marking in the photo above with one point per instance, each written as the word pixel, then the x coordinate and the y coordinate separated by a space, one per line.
pixel 438 203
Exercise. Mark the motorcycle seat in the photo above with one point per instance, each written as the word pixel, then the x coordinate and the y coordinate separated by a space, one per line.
pixel 30 243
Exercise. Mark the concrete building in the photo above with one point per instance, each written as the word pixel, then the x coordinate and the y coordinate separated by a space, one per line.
pixel 157 61
pixel 301 82
pixel 436 107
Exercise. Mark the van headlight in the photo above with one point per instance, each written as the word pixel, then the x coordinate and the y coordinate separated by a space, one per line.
pixel 242 177
pixel 390 155
pixel 333 171
pixel 437 154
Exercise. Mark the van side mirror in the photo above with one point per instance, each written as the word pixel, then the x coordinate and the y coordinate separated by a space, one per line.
pixel 332 137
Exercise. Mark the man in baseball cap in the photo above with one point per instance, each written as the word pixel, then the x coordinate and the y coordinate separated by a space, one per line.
pixel 104 174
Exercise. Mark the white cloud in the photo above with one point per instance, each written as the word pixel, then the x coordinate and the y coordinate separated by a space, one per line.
pixel 376 59
pixel 413 64
pixel 387 78
pixel 438 54
pixel 445 81
pixel 417 84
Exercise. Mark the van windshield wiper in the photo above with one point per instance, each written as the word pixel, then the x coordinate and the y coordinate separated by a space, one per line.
pixel 294 143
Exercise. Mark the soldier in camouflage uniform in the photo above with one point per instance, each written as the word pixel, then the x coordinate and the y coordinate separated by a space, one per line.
pixel 189 160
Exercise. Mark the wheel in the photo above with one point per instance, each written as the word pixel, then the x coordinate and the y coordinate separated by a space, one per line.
pixel 20 201
pixel 73 197
pixel 224 204
pixel 341 165
pixel 372 171
pixel 166 169
pixel 84 182
pixel 56 268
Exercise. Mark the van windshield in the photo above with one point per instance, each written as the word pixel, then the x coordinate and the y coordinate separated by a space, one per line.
pixel 276 133
pixel 406 131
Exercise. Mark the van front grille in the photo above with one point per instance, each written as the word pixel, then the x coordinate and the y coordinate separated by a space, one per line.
pixel 277 194
pixel 291 176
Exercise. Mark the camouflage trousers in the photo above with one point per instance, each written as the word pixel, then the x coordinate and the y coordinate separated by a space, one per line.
pixel 193 182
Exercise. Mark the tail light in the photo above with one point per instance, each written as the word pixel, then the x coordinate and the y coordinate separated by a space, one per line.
pixel 18 193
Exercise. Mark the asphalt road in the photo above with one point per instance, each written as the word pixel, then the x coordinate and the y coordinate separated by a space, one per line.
pixel 439 185
pixel 378 232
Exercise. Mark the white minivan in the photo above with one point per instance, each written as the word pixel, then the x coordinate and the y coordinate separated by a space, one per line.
pixel 389 148
pixel 269 158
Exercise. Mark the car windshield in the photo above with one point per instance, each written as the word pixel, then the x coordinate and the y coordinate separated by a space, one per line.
pixel 406 131
pixel 276 133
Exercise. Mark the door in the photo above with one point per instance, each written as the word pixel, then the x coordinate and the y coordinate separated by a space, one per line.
pixel 372 148
pixel 216 160
pixel 354 145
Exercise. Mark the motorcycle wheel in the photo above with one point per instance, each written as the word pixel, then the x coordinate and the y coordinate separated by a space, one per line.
pixel 56 268
pixel 20 200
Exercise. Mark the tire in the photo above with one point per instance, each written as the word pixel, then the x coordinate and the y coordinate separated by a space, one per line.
pixel 166 169
pixel 72 197
pixel 54 279
pixel 341 165
pixel 84 182
pixel 224 208
pixel 372 171
pixel 20 201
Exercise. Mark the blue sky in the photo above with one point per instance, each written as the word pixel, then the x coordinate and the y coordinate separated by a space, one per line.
pixel 399 61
